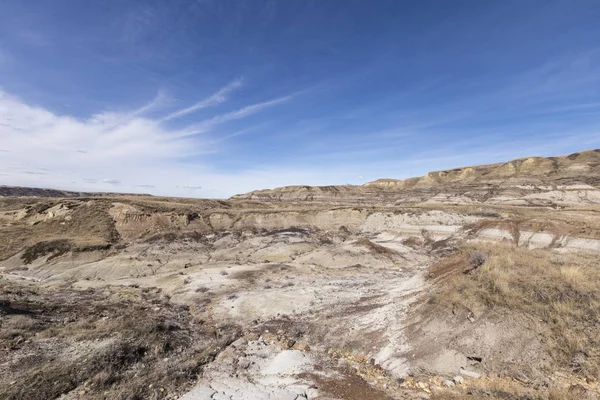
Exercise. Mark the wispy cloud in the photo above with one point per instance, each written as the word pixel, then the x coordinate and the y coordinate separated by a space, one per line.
pixel 34 173
pixel 217 98
pixel 206 125
pixel 242 132
pixel 248 110
pixel 124 147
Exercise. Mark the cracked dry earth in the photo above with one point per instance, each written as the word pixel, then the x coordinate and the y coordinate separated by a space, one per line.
pixel 319 299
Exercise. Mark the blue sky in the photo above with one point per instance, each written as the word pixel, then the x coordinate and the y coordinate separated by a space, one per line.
pixel 211 98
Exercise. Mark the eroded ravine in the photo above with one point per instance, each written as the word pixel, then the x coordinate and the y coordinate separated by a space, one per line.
pixel 318 297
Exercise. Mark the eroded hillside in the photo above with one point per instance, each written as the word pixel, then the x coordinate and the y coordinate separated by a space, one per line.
pixel 538 181
pixel 160 298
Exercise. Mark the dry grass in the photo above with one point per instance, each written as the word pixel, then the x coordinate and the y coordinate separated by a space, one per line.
pixel 116 342
pixel 560 290
pixel 503 389
pixel 89 225
pixel 57 248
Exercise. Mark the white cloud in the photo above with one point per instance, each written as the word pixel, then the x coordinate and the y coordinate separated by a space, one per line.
pixel 129 151
pixel 213 100
pixel 117 149
pixel 206 125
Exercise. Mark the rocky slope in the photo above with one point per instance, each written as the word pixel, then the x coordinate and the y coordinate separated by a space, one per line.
pixel 554 181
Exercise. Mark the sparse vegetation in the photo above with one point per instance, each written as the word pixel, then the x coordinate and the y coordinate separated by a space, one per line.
pixel 558 289
pixel 505 389
pixel 111 337
pixel 477 259
pixel 88 227
pixel 55 248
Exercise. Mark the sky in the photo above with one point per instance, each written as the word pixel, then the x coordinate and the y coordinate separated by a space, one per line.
pixel 215 97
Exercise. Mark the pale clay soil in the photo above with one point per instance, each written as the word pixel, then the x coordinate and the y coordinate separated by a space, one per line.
pixel 314 301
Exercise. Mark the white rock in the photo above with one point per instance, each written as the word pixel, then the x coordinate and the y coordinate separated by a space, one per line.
pixel 286 362
pixel 470 374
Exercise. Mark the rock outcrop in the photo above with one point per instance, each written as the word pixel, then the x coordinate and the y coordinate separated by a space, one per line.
pixel 540 181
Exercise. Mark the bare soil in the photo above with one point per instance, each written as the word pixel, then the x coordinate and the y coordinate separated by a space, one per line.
pixel 334 293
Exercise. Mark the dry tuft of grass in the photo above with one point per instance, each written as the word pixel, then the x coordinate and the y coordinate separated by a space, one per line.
pixel 559 289
pixel 503 389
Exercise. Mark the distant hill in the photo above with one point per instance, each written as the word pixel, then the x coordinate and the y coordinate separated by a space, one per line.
pixel 574 178
pixel 583 167
pixel 20 191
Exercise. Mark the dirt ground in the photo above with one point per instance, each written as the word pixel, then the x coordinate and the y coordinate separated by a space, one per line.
pixel 156 298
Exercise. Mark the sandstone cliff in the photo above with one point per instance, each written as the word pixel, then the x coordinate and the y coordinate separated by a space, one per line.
pixel 570 179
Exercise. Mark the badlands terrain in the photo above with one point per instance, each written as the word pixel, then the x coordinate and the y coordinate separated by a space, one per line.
pixel 473 283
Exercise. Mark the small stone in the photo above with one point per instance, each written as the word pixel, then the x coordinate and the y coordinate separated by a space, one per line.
pixel 590 379
pixel 449 383
pixel 311 393
pixel 239 343
pixel 458 379
pixel 244 363
pixel 470 374
pixel 343 363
